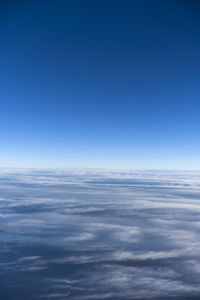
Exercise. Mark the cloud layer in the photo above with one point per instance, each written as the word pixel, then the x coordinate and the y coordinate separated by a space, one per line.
pixel 99 235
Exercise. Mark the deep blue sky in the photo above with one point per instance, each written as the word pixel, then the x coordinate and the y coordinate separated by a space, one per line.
pixel 100 84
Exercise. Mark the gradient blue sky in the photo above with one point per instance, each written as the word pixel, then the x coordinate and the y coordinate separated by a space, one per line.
pixel 100 84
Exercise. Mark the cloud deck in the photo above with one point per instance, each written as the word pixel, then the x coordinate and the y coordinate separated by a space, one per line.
pixel 99 235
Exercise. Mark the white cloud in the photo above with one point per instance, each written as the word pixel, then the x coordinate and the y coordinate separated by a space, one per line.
pixel 119 233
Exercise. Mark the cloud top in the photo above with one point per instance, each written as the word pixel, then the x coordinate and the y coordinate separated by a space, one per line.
pixel 99 235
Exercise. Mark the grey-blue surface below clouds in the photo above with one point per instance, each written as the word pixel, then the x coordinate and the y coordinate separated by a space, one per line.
pixel 99 235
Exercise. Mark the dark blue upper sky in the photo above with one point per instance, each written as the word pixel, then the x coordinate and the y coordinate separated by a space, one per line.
pixel 100 83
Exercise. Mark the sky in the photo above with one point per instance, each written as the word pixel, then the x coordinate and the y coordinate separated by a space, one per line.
pixel 106 84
